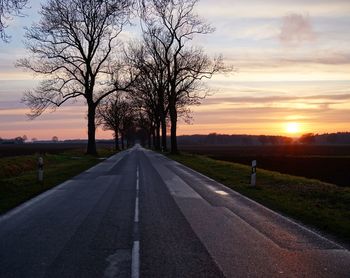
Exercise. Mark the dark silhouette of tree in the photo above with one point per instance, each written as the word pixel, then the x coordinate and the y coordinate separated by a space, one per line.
pixel 55 139
pixel 9 8
pixel 173 24
pixel 149 89
pixel 128 127
pixel 75 48
pixel 111 115
pixel 19 140
pixel 156 70
pixel 286 140
pixel 308 138
pixel 263 139
pixel 146 126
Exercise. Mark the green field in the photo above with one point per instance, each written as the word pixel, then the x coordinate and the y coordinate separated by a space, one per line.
pixel 18 174
pixel 321 205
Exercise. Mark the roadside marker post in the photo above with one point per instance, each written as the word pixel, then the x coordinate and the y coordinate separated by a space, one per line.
pixel 253 175
pixel 40 169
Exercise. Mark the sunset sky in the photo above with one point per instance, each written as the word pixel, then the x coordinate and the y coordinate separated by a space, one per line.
pixel 291 61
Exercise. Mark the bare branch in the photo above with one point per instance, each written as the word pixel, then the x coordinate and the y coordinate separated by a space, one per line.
pixel 9 8
pixel 169 27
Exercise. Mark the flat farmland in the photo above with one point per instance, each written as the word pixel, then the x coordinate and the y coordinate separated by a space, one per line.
pixel 325 163
pixel 42 148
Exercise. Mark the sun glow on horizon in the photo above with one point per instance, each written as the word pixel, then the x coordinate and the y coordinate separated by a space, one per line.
pixel 293 128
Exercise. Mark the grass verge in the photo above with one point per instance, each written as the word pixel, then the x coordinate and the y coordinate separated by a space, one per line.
pixel 321 205
pixel 18 174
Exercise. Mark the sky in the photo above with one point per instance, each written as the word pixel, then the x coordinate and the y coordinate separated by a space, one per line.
pixel 290 62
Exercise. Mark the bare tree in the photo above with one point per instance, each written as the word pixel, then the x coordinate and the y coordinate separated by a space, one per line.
pixel 155 69
pixel 149 88
pixel 146 126
pixel 111 114
pixel 128 130
pixel 19 140
pixel 173 24
pixel 9 8
pixel 75 48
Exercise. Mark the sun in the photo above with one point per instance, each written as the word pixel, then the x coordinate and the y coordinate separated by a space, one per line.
pixel 293 127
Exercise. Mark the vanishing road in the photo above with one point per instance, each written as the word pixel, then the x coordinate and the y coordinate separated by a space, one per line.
pixel 139 214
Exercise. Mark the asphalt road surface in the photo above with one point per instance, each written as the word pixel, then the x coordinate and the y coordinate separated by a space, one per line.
pixel 139 214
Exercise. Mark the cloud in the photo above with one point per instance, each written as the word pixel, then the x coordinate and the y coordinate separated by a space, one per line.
pixel 271 8
pixel 329 99
pixel 296 29
pixel 267 115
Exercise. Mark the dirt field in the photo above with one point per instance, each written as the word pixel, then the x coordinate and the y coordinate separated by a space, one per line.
pixel 326 163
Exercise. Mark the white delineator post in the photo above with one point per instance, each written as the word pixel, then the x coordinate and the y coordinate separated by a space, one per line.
pixel 40 169
pixel 253 176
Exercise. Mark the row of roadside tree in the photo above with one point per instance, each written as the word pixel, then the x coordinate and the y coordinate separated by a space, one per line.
pixel 146 84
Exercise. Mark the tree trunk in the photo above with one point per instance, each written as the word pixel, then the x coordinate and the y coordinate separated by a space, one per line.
pixel 149 139
pixel 122 139
pixel 173 120
pixel 162 118
pixel 91 147
pixel 164 139
pixel 116 139
pixel 157 137
pixel 153 137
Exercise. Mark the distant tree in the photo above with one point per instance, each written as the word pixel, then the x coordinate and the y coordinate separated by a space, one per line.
pixel 128 128
pixel 149 92
pixel 331 138
pixel 25 138
pixel 55 139
pixel 113 114
pixel 75 49
pixel 9 8
pixel 308 138
pixel 263 139
pixel 145 124
pixel 19 140
pixel 212 138
pixel 286 140
pixel 34 139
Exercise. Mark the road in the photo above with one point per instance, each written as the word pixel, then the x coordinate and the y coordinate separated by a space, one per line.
pixel 139 214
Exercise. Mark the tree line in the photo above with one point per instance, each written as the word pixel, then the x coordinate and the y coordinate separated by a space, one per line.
pixel 144 86
pixel 339 138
